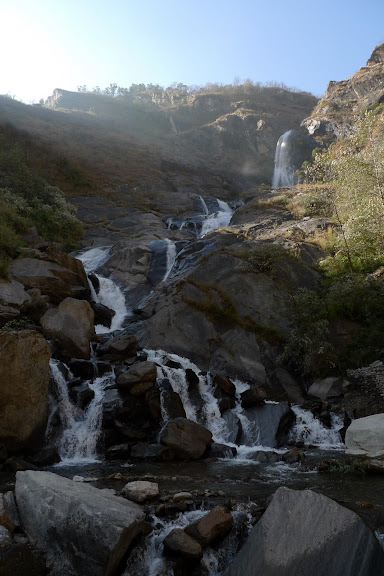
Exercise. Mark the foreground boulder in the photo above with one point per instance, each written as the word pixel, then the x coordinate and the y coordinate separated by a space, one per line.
pixel 306 533
pixel 365 437
pixel 53 272
pixel 72 326
pixel 211 527
pixel 187 439
pixel 24 379
pixel 81 530
pixel 12 298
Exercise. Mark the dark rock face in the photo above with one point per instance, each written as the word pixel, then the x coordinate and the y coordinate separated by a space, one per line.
pixel 179 543
pixel 306 533
pixel 93 529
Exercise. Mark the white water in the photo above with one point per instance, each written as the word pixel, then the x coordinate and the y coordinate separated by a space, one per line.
pixel 284 172
pixel 110 294
pixel 204 206
pixel 171 257
pixel 219 219
pixel 312 432
pixel 78 443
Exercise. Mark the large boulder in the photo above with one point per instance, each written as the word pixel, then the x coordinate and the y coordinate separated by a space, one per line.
pixel 306 533
pixel 119 348
pixel 186 438
pixel 81 530
pixel 72 326
pixel 178 543
pixel 53 272
pixel 365 437
pixel 139 378
pixel 13 297
pixel 211 527
pixel 24 379
pixel 140 490
pixel 326 389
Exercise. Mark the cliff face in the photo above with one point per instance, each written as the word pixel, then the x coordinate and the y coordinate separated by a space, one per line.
pixel 234 131
pixel 334 114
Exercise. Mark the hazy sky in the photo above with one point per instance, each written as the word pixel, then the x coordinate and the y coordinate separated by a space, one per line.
pixel 47 44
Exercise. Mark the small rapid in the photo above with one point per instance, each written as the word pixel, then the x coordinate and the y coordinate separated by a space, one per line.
pixel 109 293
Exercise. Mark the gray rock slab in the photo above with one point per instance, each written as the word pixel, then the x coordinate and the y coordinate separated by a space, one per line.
pixel 82 530
pixel 307 534
pixel 365 437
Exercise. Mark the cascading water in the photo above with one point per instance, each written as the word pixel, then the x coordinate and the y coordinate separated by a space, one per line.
pixel 284 172
pixel 81 428
pixel 109 294
pixel 312 432
pixel 219 219
pixel 258 425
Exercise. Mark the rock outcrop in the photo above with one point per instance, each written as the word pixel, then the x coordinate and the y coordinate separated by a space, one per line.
pixel 24 378
pixel 335 113
pixel 72 326
pixel 81 530
pixel 303 532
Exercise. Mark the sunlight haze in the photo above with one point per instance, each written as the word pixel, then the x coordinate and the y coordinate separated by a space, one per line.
pixel 65 44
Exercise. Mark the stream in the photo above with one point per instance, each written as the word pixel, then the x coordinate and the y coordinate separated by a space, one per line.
pixel 246 474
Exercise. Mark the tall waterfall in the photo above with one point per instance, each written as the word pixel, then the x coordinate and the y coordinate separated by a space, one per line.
pixel 284 173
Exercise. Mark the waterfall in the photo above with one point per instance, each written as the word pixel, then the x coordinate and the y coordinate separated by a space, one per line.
pixel 312 432
pixel 204 205
pixel 78 443
pixel 171 257
pixel 109 294
pixel 284 172
pixel 219 219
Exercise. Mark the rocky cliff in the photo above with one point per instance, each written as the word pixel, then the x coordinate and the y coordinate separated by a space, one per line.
pixel 335 113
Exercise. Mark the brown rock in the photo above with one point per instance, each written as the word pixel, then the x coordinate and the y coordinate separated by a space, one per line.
pixel 179 543
pixel 224 384
pixel 119 348
pixel 186 438
pixel 211 527
pixel 72 326
pixel 138 379
pixel 253 397
pixel 53 279
pixel 24 377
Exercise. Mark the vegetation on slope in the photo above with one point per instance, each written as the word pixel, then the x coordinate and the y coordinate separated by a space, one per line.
pixel 27 200
pixel 342 325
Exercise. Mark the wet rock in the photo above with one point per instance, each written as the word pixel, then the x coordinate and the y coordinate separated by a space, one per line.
pixel 365 437
pixel 112 406
pixel 301 530
pixel 286 424
pixel 118 452
pixel 82 369
pixel 118 348
pixel 140 490
pixel 5 537
pixel 85 519
pixel 293 456
pixel 94 281
pixel 225 384
pixel 234 425
pixel 153 401
pixel 139 378
pixel 186 438
pixel 155 452
pixel 179 543
pixel 192 378
pixel 81 395
pixel 72 326
pixel 226 403
pixel 24 377
pixel 255 396
pixel 103 314
pixel 172 403
pixel 216 450
pixel 211 527
pixel 15 464
pixel 46 457
pixel 291 387
pixel 266 419
pixel 181 496
pixel 129 431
